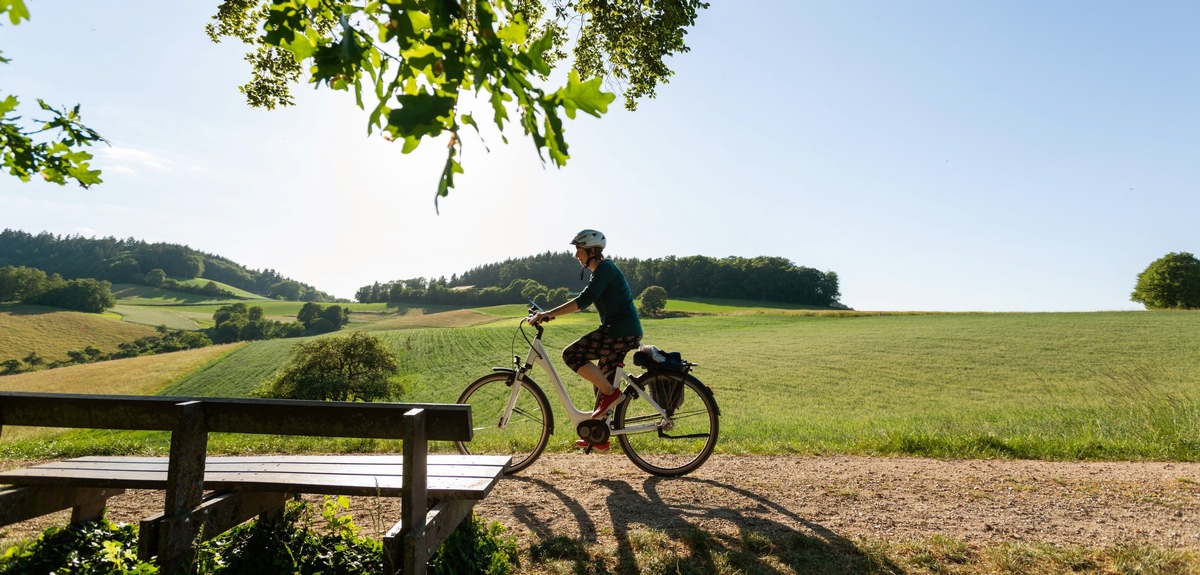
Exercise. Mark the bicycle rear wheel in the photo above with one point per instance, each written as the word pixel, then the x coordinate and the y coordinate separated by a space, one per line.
pixel 528 428
pixel 681 449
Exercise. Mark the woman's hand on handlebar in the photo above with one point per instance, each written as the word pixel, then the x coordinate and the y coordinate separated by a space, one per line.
pixel 539 317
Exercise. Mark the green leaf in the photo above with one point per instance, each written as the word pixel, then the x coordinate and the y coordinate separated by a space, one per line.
pixel 515 32
pixel 421 115
pixel 585 96
pixel 16 10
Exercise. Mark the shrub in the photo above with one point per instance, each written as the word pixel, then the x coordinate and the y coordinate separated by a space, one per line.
pixel 1170 282
pixel 654 301
pixel 91 548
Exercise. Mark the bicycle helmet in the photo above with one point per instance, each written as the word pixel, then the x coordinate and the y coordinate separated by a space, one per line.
pixel 589 239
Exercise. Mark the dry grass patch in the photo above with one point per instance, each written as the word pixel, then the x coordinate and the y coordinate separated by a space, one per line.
pixel 143 375
pixel 52 333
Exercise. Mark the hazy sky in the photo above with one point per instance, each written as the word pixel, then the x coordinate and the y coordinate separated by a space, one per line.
pixel 937 155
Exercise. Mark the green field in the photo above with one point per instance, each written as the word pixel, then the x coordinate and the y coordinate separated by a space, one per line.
pixel 1093 386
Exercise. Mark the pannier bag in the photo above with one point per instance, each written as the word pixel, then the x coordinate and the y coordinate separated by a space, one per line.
pixel 666 391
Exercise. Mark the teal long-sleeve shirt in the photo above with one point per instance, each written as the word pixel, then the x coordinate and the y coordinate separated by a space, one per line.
pixel 609 292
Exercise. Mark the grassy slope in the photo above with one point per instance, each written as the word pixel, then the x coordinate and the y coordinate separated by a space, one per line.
pixel 1059 386
pixel 134 376
pixel 52 332
pixel 1106 385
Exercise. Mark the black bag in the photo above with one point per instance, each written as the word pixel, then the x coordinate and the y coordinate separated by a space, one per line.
pixel 654 359
pixel 666 391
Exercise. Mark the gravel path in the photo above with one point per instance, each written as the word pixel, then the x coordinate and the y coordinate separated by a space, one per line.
pixel 600 498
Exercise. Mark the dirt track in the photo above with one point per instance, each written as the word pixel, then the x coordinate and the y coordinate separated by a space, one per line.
pixel 602 497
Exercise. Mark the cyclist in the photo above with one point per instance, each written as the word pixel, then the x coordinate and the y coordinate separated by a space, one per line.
pixel 620 329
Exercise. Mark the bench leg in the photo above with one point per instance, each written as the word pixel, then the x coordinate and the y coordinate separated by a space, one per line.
pixel 410 553
pixel 170 538
pixel 27 502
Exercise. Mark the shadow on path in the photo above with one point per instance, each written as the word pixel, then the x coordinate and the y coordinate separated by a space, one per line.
pixel 683 525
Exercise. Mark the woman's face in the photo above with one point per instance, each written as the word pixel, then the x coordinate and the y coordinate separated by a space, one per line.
pixel 581 254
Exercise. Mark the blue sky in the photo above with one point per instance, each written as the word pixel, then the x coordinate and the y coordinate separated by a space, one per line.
pixel 937 155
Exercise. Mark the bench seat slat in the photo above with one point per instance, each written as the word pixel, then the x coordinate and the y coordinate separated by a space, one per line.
pixel 434 459
pixel 332 475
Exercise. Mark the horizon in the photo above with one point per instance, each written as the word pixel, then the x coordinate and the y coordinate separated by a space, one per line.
pixel 937 157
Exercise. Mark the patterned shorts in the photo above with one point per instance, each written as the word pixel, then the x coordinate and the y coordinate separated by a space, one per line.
pixel 598 345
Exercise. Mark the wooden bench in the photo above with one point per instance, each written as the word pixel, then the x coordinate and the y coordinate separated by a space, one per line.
pixel 437 491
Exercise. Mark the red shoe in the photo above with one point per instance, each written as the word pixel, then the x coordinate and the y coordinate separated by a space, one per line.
pixel 596 447
pixel 606 402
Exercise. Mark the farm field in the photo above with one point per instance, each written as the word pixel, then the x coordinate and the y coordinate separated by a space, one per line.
pixel 851 443
pixel 51 332
pixel 1065 386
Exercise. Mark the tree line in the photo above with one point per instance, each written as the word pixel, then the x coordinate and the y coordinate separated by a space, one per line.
pixel 233 322
pixel 135 261
pixel 34 286
pixel 552 277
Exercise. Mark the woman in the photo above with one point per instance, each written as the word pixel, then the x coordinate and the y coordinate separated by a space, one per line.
pixel 620 329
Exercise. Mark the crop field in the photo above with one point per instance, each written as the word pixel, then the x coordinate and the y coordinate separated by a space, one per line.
pixel 1061 386
pixel 51 332
pixel 155 316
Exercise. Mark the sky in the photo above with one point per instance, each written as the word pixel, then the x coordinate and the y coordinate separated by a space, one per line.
pixel 936 155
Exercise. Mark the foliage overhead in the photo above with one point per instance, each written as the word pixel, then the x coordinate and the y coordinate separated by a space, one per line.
pixel 53 146
pixel 415 59
pixel 1169 282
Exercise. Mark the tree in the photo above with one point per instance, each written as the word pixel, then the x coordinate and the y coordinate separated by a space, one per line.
pixel 417 58
pixel 83 294
pixel 351 368
pixel 1169 282
pixel 53 149
pixel 654 301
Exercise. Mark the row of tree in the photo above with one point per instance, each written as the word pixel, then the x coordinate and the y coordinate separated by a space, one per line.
pixel 138 262
pixel 34 286
pixel 553 276
pixel 239 322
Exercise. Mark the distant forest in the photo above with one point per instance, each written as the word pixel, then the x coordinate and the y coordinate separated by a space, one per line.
pixel 552 276
pixel 135 261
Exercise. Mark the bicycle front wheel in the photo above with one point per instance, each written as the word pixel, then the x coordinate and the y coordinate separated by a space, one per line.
pixel 690 440
pixel 523 436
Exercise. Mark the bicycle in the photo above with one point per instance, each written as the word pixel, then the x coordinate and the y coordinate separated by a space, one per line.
pixel 667 425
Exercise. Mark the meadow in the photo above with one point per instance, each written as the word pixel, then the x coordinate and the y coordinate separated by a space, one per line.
pixel 1056 386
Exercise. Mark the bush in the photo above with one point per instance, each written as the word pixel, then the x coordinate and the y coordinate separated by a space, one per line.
pixel 289 545
pixel 352 368
pixel 1170 282
pixel 91 548
pixel 654 301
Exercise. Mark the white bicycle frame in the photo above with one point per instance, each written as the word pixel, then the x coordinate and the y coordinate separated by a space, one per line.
pixel 537 356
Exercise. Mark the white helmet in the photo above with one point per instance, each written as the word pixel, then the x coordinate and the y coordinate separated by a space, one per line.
pixel 589 239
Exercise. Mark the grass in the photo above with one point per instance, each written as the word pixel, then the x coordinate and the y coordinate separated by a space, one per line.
pixel 52 332
pixel 1030 386
pixel 144 375
pixel 1088 386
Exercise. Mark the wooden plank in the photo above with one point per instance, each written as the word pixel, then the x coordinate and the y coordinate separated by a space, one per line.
pixel 281 467
pixel 379 420
pixel 434 459
pixel 27 502
pixel 327 484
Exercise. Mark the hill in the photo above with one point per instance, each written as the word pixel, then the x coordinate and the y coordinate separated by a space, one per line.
pixel 51 332
pixel 132 261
